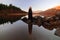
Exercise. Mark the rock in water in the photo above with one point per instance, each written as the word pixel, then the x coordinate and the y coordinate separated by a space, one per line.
pixel 57 32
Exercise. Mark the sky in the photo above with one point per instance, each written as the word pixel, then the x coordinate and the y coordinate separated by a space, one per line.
pixel 35 4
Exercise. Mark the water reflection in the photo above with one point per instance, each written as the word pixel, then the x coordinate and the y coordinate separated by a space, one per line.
pixel 36 21
pixel 48 23
pixel 9 19
pixel 19 30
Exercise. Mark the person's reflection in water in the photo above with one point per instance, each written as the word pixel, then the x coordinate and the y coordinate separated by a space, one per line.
pixel 30 27
pixel 30 30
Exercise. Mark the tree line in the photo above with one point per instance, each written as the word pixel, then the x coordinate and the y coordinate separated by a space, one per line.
pixel 10 9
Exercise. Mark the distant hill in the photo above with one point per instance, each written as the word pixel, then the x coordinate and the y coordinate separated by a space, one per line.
pixel 51 12
pixel 10 9
pixel 37 11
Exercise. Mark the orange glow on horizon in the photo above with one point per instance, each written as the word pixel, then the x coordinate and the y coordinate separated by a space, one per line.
pixel 57 7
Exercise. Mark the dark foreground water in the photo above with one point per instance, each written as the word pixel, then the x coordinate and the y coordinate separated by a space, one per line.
pixel 19 31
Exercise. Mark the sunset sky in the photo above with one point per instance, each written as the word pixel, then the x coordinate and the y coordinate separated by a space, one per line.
pixel 35 4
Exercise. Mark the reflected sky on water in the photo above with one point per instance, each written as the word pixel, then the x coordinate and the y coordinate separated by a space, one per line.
pixel 19 31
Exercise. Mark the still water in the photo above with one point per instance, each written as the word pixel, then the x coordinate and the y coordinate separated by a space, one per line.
pixel 19 31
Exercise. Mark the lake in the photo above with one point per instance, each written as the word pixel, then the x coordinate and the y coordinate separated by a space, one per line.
pixel 19 31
